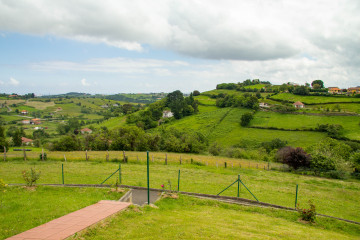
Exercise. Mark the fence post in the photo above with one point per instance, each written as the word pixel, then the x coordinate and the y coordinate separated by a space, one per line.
pixel 296 195
pixel 107 155
pixel 166 159
pixel 42 154
pixel 62 172
pixel 124 157
pixel 119 172
pixel 86 157
pixel 4 153
pixel 24 153
pixel 238 193
pixel 148 178
pixel 268 165
pixel 179 181
pixel 180 160
pixel 64 157
pixel 225 164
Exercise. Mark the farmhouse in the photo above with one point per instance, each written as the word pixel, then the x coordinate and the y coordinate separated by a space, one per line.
pixel 25 122
pixel 334 90
pixel 298 105
pixel 264 105
pixel 35 121
pixel 86 130
pixel 24 112
pixel 26 141
pixel 167 114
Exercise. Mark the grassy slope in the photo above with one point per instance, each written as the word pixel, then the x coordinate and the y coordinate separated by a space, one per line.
pixel 332 197
pixel 22 209
pixel 313 99
pixel 291 121
pixel 189 218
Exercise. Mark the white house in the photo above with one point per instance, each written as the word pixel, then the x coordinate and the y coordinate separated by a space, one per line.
pixel 298 105
pixel 167 114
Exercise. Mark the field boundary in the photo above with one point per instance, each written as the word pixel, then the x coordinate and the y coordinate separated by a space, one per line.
pixel 227 199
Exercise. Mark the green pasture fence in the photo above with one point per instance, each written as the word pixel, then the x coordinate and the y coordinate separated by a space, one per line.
pixel 296 195
pixel 238 190
pixel 117 170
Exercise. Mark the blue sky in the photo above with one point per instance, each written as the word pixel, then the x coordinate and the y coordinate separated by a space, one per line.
pixel 161 46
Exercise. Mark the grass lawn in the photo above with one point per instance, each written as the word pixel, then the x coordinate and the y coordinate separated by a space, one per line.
pixel 24 208
pixel 338 198
pixel 314 99
pixel 190 218
pixel 343 107
pixel 40 105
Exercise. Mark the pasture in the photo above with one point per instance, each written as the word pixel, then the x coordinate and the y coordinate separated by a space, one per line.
pixel 314 99
pixel 338 198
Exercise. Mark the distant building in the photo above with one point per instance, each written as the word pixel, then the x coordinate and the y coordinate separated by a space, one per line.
pixel 115 105
pixel 167 114
pixel 104 106
pixel 264 105
pixel 35 121
pixel 298 105
pixel 334 90
pixel 353 90
pixel 25 122
pixel 26 141
pixel 24 112
pixel 86 130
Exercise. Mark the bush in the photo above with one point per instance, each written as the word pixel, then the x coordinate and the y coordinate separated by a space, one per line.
pixel 308 215
pixel 276 143
pixel 215 149
pixel 45 156
pixel 31 176
pixel 246 118
pixel 3 186
pixel 294 157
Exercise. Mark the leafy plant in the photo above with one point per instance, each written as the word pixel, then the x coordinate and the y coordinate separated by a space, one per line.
pixel 294 157
pixel 308 215
pixel 45 156
pixel 31 176
pixel 3 186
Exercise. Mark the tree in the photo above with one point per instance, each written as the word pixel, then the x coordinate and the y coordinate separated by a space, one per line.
pixel 246 118
pixel 318 82
pixel 175 101
pixel 294 157
pixel 196 93
pixel 302 90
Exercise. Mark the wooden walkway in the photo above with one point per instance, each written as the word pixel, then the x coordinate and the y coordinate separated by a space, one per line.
pixel 74 222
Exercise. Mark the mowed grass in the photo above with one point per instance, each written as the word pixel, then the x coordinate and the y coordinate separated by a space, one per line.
pixel 223 126
pixel 338 198
pixel 190 218
pixel 344 107
pixel 25 208
pixel 39 104
pixel 291 121
pixel 314 99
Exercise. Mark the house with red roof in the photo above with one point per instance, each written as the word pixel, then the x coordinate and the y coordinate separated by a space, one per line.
pixel 298 105
pixel 86 130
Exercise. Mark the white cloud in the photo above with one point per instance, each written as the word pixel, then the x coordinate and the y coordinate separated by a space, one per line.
pixel 1 83
pixel 84 82
pixel 229 29
pixel 14 82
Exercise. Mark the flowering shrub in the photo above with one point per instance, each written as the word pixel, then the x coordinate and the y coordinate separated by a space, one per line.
pixel 308 215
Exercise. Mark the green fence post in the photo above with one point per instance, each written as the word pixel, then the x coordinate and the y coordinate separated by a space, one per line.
pixel 119 172
pixel 179 181
pixel 62 171
pixel 238 186
pixel 148 178
pixel 297 186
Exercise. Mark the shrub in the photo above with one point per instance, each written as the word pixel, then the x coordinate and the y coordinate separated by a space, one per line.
pixel 276 143
pixel 45 156
pixel 294 157
pixel 246 118
pixel 3 186
pixel 31 176
pixel 308 215
pixel 215 149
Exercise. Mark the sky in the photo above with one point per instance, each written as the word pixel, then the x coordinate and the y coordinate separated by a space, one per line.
pixel 121 46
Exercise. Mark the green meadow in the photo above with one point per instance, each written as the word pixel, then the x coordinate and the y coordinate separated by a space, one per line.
pixel 339 198
pixel 314 99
